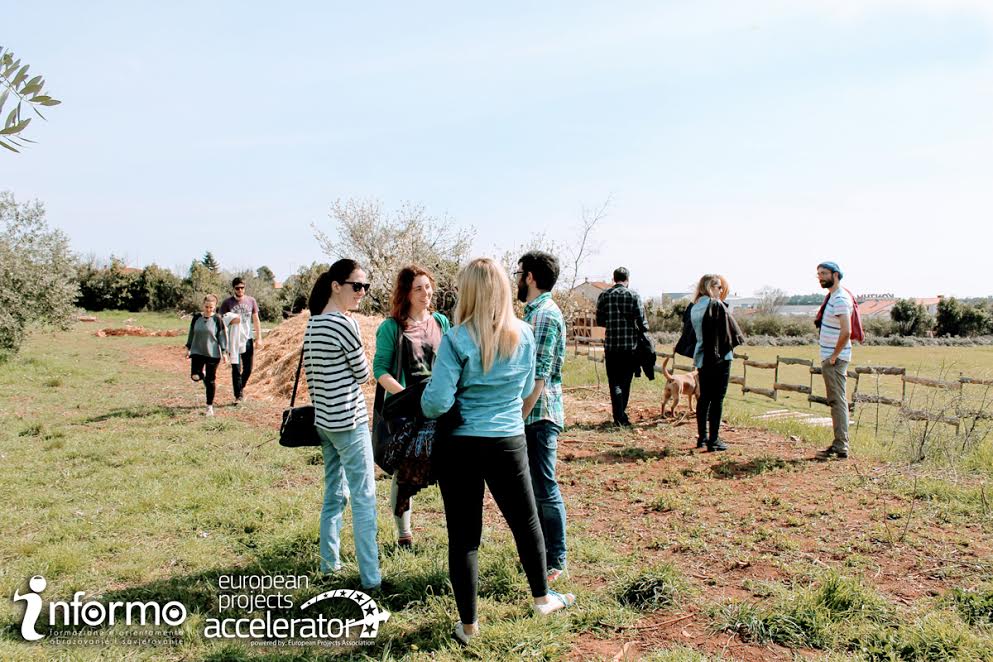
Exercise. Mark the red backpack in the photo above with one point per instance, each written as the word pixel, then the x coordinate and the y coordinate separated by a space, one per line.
pixel 858 333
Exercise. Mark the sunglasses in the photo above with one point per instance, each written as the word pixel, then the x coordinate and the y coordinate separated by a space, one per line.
pixel 357 287
pixel 240 287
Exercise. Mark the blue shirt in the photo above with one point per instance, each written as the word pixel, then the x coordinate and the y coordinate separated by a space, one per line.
pixel 697 312
pixel 490 403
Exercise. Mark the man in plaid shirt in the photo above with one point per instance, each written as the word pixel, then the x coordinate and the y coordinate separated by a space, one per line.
pixel 620 310
pixel 544 416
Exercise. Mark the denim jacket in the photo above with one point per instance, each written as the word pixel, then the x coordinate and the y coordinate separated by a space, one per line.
pixel 490 402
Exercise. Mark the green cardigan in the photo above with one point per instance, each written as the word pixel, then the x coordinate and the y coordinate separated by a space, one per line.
pixel 386 347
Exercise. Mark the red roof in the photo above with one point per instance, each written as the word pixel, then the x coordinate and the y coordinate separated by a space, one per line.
pixel 875 306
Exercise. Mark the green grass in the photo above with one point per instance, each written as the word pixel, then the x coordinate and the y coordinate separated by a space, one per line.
pixel 115 485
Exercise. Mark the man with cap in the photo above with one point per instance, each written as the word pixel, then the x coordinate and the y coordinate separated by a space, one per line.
pixel 835 322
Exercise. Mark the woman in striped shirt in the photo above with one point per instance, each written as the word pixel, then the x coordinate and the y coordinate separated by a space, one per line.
pixel 335 365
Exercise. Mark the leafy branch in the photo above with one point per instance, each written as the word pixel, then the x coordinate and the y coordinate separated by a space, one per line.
pixel 14 81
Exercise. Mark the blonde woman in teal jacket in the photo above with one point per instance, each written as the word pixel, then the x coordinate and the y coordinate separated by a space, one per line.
pixel 406 344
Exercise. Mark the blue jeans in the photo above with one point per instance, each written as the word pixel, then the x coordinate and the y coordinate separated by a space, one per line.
pixel 348 471
pixel 543 441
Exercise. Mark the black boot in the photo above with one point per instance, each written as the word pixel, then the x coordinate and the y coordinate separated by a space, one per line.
pixel 701 442
pixel 716 445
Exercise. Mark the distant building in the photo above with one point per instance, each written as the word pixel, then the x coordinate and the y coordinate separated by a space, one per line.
pixel 881 308
pixel 672 297
pixel 742 303
pixel 591 289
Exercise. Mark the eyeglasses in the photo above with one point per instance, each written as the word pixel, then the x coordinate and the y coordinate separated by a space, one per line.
pixel 240 287
pixel 518 273
pixel 357 287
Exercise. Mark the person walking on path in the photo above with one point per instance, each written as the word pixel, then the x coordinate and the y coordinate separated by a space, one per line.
pixel 206 345
pixel 248 309
pixel 335 364
pixel 622 313
pixel 835 321
pixel 710 338
pixel 544 413
pixel 486 365
pixel 412 333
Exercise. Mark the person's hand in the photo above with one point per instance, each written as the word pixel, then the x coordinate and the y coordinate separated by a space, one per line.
pixel 187 354
pixel 833 359
pixel 224 358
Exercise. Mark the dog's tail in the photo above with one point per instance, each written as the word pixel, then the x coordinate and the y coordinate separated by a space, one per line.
pixel 665 369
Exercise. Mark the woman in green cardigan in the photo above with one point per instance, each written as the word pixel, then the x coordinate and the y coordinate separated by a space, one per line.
pixel 405 359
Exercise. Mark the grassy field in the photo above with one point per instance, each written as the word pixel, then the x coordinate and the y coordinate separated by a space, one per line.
pixel 116 485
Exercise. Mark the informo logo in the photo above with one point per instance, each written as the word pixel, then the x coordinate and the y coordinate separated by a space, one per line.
pixel 76 612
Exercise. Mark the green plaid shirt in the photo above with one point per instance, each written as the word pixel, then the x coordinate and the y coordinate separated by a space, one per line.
pixel 545 318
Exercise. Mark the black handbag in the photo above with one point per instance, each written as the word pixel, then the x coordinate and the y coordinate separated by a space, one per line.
pixel 381 433
pixel 298 428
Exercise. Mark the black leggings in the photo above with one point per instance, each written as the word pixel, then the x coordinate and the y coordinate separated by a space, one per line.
pixel 463 464
pixel 240 372
pixel 204 368
pixel 710 404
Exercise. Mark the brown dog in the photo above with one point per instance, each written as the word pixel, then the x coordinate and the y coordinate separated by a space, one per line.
pixel 675 385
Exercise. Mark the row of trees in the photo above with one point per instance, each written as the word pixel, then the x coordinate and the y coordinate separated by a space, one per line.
pixel 907 318
pixel 114 286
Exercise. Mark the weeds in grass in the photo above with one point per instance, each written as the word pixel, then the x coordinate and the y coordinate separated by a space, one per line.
pixel 935 637
pixel 975 607
pixel 806 617
pixel 658 587
pixel 52 382
pixel 33 430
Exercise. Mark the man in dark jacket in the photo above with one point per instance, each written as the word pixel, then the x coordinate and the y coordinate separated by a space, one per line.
pixel 622 313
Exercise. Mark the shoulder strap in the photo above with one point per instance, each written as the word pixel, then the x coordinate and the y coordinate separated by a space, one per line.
pixel 397 360
pixel 296 381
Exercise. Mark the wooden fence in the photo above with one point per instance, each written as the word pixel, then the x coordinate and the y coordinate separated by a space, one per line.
pixel 954 418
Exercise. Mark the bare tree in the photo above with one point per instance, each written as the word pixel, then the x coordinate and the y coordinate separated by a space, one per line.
pixel 771 300
pixel 584 246
pixel 384 242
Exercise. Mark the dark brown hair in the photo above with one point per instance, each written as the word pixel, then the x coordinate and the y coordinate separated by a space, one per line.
pixel 400 299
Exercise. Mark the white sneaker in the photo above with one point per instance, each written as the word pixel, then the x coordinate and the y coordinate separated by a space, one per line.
pixel 210 410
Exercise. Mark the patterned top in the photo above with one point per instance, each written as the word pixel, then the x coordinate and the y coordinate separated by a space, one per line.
pixel 246 308
pixel 545 318
pixel 839 305
pixel 335 364
pixel 620 310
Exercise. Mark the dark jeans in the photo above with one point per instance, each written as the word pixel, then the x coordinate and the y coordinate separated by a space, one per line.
pixel 543 441
pixel 620 372
pixel 240 372
pixel 204 368
pixel 463 465
pixel 710 404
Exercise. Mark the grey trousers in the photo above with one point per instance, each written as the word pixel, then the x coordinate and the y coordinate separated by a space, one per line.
pixel 835 383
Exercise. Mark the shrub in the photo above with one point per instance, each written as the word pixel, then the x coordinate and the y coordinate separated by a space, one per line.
pixel 37 273
pixel 296 289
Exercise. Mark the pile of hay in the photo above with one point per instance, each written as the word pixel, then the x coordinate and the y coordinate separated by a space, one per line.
pixel 276 362
pixel 136 331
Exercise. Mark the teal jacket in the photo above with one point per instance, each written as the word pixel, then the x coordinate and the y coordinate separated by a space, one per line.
pixel 386 347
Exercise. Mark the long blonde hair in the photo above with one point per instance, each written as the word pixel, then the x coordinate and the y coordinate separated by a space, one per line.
pixel 703 287
pixel 486 310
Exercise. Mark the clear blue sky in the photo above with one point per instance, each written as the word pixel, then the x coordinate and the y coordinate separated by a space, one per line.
pixel 750 138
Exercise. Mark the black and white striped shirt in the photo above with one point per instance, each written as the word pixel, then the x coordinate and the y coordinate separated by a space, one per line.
pixel 335 365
